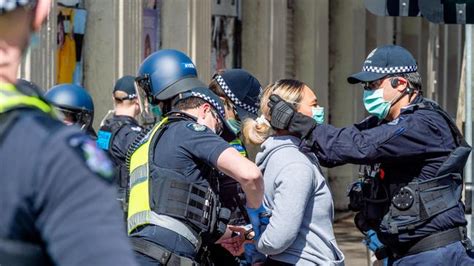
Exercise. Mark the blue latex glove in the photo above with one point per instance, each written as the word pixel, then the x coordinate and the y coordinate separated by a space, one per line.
pixel 258 217
pixel 372 241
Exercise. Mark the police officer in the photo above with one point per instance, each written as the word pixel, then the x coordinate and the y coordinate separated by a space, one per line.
pixel 75 104
pixel 58 205
pixel 410 192
pixel 174 210
pixel 239 90
pixel 118 132
pixel 29 87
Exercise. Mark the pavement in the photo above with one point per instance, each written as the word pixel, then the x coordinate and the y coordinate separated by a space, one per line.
pixel 349 240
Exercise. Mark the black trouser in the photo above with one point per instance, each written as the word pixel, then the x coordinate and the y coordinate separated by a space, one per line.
pixel 220 256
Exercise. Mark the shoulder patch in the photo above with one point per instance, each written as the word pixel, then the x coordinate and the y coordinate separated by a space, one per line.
pixel 94 158
pixel 196 127
pixel 103 139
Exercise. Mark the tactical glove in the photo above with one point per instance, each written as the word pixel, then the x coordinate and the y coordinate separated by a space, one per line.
pixel 284 116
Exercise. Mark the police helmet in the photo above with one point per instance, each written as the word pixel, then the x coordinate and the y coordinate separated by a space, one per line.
pixel 216 102
pixel 74 102
pixel 165 73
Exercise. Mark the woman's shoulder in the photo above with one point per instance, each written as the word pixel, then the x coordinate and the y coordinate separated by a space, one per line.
pixel 291 157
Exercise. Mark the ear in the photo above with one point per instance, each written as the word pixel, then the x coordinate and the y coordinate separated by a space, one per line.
pixel 41 12
pixel 206 107
pixel 401 84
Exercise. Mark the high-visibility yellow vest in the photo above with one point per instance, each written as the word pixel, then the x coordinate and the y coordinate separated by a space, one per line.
pixel 11 98
pixel 139 211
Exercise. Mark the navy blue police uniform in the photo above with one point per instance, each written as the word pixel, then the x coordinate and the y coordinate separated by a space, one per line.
pixel 189 151
pixel 243 91
pixel 415 144
pixel 410 190
pixel 56 196
pixel 117 134
pixel 115 137
pixel 174 209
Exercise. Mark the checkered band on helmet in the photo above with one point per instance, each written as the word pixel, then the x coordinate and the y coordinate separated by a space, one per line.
pixel 211 101
pixel 234 98
pixel 10 5
pixel 390 70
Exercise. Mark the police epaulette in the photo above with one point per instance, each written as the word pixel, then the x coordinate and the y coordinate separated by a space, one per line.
pixel 137 142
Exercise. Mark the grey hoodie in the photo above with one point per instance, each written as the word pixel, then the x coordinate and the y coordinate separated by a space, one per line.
pixel 300 230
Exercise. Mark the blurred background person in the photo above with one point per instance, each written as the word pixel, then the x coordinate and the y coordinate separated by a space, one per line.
pixel 75 104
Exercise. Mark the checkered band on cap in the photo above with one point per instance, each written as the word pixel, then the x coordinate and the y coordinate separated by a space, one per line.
pixel 10 5
pixel 211 101
pixel 390 70
pixel 234 98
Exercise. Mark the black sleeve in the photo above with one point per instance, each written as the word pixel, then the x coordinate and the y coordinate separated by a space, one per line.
pixel 407 137
pixel 205 145
pixel 122 141
pixel 78 216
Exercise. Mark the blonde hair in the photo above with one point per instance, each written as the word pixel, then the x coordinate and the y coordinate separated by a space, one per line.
pixel 257 131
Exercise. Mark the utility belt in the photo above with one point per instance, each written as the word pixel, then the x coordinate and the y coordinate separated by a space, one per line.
pixel 160 254
pixel 430 242
pixel 19 253
pixel 403 207
pixel 418 201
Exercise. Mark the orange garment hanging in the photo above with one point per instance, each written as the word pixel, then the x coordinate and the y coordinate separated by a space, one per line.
pixel 66 57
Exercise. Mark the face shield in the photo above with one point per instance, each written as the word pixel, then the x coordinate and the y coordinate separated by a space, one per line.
pixel 150 111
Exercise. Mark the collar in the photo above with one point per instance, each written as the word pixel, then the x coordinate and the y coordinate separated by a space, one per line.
pixel 411 107
pixel 178 115
pixel 125 118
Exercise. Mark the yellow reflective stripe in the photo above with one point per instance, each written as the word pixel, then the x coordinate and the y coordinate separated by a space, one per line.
pixel 10 98
pixel 170 223
pixel 138 219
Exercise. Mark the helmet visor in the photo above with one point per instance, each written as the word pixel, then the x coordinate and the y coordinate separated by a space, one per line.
pixel 145 100
pixel 69 117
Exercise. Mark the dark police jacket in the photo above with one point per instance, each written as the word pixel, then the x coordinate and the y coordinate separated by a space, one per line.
pixel 123 130
pixel 54 192
pixel 414 145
